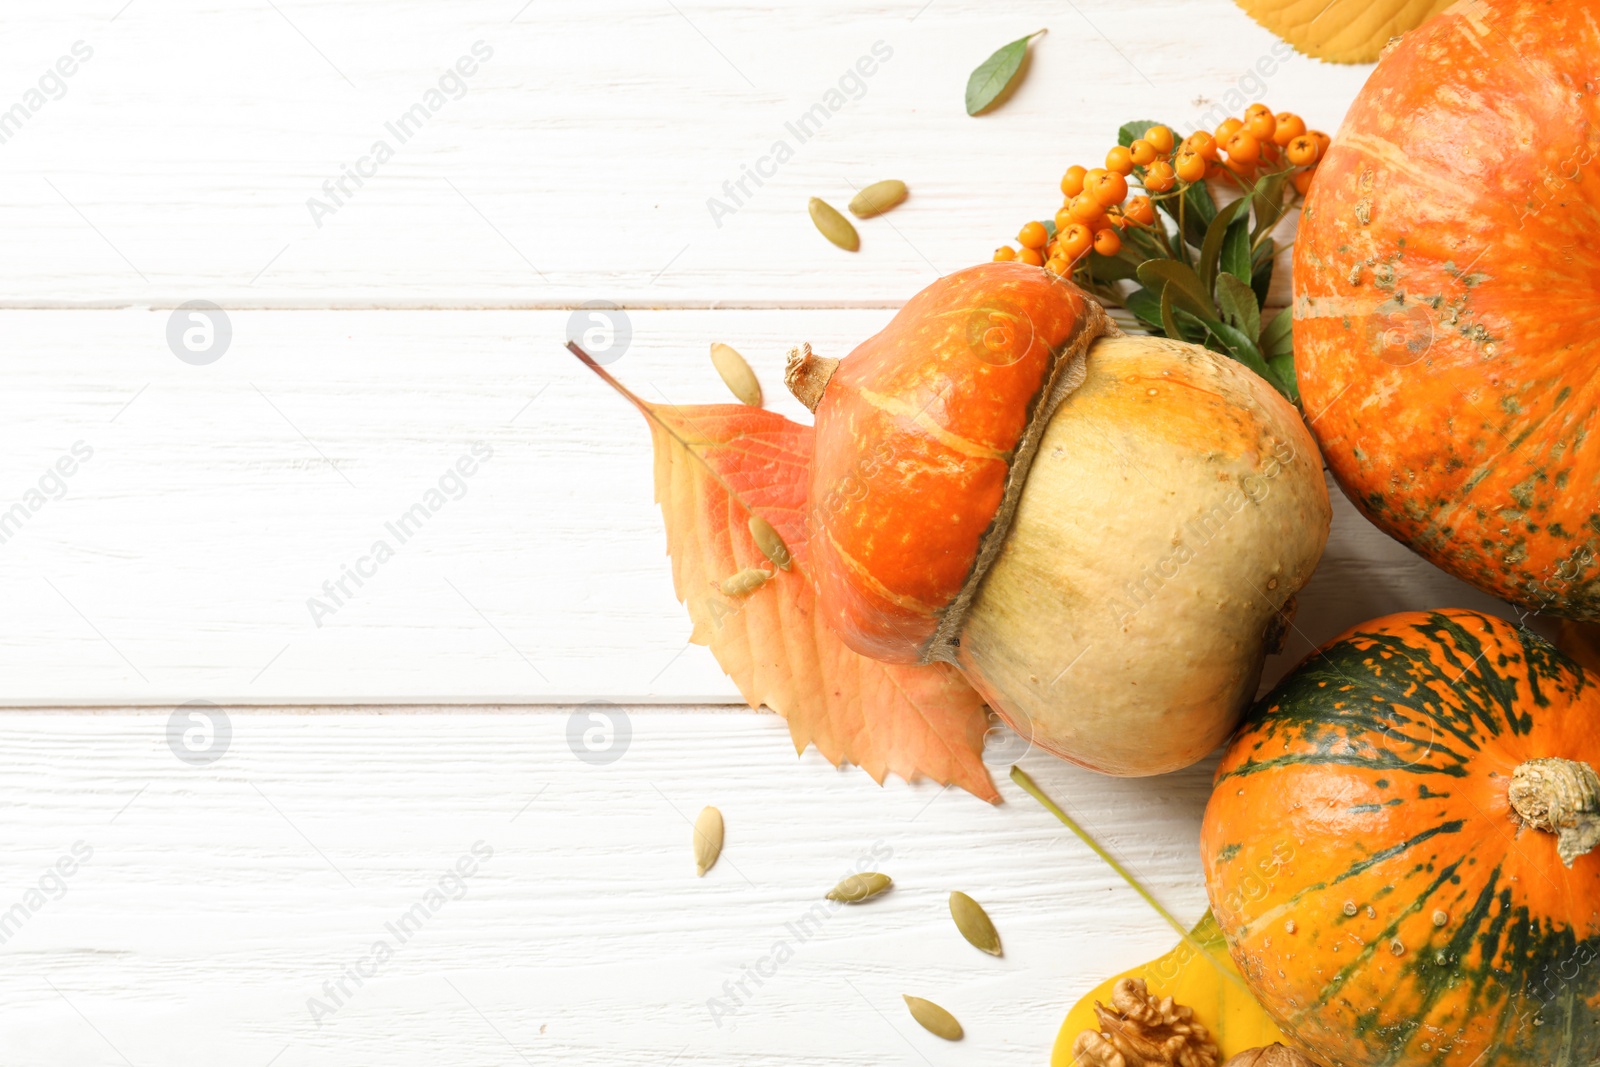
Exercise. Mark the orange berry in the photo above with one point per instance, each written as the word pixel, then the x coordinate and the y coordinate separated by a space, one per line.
pixel 1142 152
pixel 1120 160
pixel 1189 167
pixel 1287 126
pixel 1243 148
pixel 1228 128
pixel 1201 144
pixel 1085 208
pixel 1302 151
pixel 1005 254
pixel 1112 188
pixel 1302 180
pixel 1159 138
pixel 1140 211
pixel 1095 175
pixel 1107 243
pixel 1032 235
pixel 1159 177
pixel 1323 141
pixel 1262 125
pixel 1072 181
pixel 1064 218
pixel 1256 109
pixel 1056 265
pixel 1031 257
pixel 1075 240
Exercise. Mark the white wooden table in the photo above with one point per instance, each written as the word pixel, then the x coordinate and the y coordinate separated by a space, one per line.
pixel 217 906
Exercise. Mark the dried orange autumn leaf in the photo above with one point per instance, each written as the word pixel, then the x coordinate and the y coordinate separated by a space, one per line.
pixel 716 465
pixel 1198 974
pixel 1343 31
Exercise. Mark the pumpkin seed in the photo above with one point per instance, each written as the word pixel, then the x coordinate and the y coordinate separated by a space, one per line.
pixel 933 1018
pixel 859 887
pixel 707 839
pixel 974 923
pixel 745 582
pixel 768 541
pixel 834 226
pixel 736 373
pixel 877 198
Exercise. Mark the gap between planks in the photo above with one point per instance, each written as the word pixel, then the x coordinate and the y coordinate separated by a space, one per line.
pixel 170 303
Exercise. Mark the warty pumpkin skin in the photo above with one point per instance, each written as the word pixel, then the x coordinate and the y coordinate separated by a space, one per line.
pixel 1445 274
pixel 1376 852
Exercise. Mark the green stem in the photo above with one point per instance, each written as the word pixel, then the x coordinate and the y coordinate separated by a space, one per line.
pixel 1031 787
pixel 1021 777
pixel 1183 235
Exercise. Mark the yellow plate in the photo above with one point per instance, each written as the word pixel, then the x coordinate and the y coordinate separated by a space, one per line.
pixel 1203 978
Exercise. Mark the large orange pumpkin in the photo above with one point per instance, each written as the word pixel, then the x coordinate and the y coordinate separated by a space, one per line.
pixel 1445 272
pixel 1397 848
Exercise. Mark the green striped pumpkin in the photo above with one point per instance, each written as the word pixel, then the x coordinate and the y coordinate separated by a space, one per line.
pixel 1396 848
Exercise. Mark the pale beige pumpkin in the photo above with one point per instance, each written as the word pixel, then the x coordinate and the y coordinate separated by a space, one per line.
pixel 1175 505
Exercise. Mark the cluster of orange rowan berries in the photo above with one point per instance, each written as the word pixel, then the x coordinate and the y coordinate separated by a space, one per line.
pixel 1097 206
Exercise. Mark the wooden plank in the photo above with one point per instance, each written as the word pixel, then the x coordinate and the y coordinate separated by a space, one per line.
pixel 183 560
pixel 217 900
pixel 580 160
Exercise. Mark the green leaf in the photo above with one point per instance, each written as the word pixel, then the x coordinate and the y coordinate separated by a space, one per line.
pixel 1141 242
pixel 1168 275
pixel 1198 211
pixel 1120 267
pixel 1169 321
pixel 1236 249
pixel 1049 226
pixel 1237 302
pixel 1266 198
pixel 1241 348
pixel 1278 338
pixel 1146 307
pixel 1211 247
pixel 995 74
pixel 1283 368
pixel 1261 274
pixel 1189 328
pixel 1132 131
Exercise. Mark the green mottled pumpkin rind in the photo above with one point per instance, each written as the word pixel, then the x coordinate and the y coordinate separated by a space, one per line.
pixel 1410 712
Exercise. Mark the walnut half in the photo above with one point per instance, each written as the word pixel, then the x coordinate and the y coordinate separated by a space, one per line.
pixel 1144 1030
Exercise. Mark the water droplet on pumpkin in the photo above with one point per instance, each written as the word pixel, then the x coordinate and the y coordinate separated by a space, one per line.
pixel 1151 392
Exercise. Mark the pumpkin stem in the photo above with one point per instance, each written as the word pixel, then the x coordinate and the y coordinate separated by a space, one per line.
pixel 807 375
pixel 1562 797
